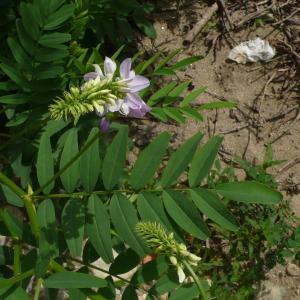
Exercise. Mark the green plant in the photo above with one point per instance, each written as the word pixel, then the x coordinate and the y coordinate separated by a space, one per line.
pixel 90 202
pixel 267 236
pixel 117 20
pixel 68 195
pixel 259 172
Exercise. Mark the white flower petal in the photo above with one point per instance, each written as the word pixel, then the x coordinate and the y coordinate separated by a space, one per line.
pixel 90 76
pixel 116 107
pixel 101 112
pixel 109 67
pixel 98 71
pixel 125 68
pixel 124 109
pixel 138 83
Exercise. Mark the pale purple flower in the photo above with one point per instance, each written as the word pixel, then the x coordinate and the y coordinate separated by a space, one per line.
pixel 134 82
pixel 104 125
pixel 109 70
pixel 129 83
pixel 133 105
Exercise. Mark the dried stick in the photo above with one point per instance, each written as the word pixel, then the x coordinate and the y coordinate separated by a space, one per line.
pixel 253 15
pixel 281 114
pixel 234 129
pixel 192 34
pixel 287 18
pixel 286 131
pixel 289 165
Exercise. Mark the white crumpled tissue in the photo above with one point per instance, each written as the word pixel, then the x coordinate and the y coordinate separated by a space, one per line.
pixel 252 51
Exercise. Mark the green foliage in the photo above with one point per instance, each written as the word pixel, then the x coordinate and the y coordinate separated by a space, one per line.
pixel 70 197
pixel 262 229
pixel 38 49
pixel 125 200
pixel 117 20
pixel 73 280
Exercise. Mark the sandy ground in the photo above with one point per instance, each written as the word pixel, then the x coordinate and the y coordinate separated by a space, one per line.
pixel 248 129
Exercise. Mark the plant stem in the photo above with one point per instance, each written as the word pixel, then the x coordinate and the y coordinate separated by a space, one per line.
pixel 86 194
pixel 12 185
pixel 38 289
pixel 31 211
pixel 56 266
pixel 17 256
pixel 196 280
pixel 66 166
pixel 15 279
pixel 28 202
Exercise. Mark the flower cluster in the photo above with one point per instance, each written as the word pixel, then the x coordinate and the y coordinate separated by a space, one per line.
pixel 157 238
pixel 104 92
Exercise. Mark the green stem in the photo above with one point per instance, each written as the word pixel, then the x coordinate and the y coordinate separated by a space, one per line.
pixel 65 167
pixel 8 282
pixel 12 185
pixel 55 266
pixel 29 205
pixel 38 289
pixel 17 258
pixel 86 194
pixel 31 211
pixel 196 280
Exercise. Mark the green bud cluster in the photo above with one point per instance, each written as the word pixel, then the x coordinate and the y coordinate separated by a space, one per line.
pixel 94 95
pixel 158 239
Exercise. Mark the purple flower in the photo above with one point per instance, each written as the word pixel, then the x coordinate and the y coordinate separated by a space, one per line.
pixel 104 125
pixel 129 84
pixel 133 105
pixel 109 70
pixel 134 82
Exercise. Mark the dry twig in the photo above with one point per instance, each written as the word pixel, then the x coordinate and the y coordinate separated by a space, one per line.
pixel 192 34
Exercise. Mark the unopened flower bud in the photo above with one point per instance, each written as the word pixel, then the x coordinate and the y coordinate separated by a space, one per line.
pixel 75 91
pixel 184 252
pixel 173 260
pixel 182 247
pixel 193 263
pixel 194 257
pixel 181 275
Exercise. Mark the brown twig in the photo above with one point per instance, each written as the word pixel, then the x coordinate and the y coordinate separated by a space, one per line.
pixel 257 104
pixel 286 131
pixel 295 54
pixel 289 165
pixel 226 13
pixel 192 34
pixel 282 114
pixel 287 18
pixel 254 15
pixel 234 129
